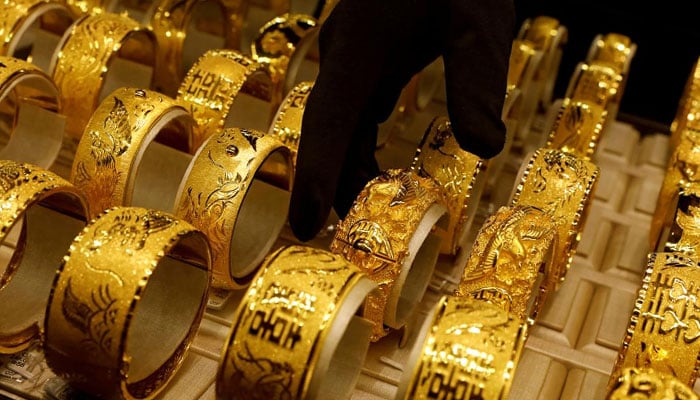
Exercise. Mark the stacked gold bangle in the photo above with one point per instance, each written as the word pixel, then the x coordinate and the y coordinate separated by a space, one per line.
pixel 44 212
pixel 648 384
pixel 439 157
pixel 214 83
pixel 127 302
pixel 237 193
pixel 387 234
pixel 87 58
pixel 295 334
pixel 286 125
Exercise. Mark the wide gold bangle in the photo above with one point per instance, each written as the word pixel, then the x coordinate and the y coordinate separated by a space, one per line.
pixel 614 50
pixel 118 151
pixel 470 351
pixel 387 233
pixel 30 104
pixel 439 157
pixel 40 215
pixel 648 384
pixel 94 54
pixel 561 185
pixel 179 45
pixel 295 334
pixel 237 193
pixel 127 302
pixel 663 331
pixel 286 125
pixel 510 250
pixel 219 80
pixel 577 128
pixel 596 84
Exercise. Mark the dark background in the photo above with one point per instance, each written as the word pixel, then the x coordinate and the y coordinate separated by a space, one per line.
pixel 667 35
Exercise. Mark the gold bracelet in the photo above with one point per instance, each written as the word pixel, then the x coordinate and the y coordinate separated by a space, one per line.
pixel 214 83
pixel 510 250
pixel 471 349
pixel 688 111
pixel 664 328
pixel 237 193
pixel 286 125
pixel 561 185
pixel 89 50
pixel 681 234
pixel 118 141
pixel 40 216
pixel 595 84
pixel 614 50
pixel 520 103
pixel 387 233
pixel 439 157
pixel 295 334
pixel 646 383
pixel 169 21
pixel 29 101
pixel 127 302
pixel 577 128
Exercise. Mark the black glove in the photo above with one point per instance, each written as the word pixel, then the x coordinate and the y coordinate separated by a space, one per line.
pixel 370 49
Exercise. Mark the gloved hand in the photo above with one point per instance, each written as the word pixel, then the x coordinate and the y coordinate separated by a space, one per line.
pixel 370 49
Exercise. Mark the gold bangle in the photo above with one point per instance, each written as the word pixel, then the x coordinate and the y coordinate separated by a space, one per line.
pixel 29 101
pixel 522 54
pixel 89 50
pixel 237 193
pixel 577 128
pixel 286 125
pixel 214 85
pixel 681 234
pixel 118 142
pixel 688 111
pixel 664 327
pixel 43 213
pixel 646 383
pixel 471 349
pixel 614 50
pixel 510 250
pixel 295 328
pixel 169 21
pixel 561 185
pixel 387 233
pixel 439 157
pixel 596 84
pixel 127 302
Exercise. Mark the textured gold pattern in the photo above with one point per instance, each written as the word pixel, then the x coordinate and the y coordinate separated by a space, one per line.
pixel 440 157
pixel 595 84
pixel 647 384
pixel 510 249
pixel 15 13
pixel 282 323
pixel 471 352
pixel 577 128
pixel 376 232
pixel 287 123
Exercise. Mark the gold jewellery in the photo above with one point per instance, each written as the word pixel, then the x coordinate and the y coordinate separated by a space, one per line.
pixel 286 125
pixel 127 302
pixel 439 157
pixel 95 52
pixel 296 327
pixel 237 193
pixel 40 215
pixel 387 233
pixel 648 384
pixel 688 111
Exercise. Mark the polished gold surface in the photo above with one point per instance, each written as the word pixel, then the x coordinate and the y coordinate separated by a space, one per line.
pixel 286 125
pixel 16 15
pixel 115 139
pixel 119 291
pixel 647 384
pixel 375 235
pixel 577 128
pixel 212 84
pixel 688 110
pixel 471 352
pixel 83 59
pixel 283 324
pixel 614 50
pixel 562 185
pixel 217 187
pixel 521 55
pixel 510 250
pixel 595 84
pixel 440 158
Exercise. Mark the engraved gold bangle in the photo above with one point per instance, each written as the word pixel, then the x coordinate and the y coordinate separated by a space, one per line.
pixel 664 328
pixel 29 101
pixel 170 20
pixel 215 84
pixel 688 111
pixel 387 233
pixel 127 302
pixel 295 334
pixel 95 49
pixel 510 250
pixel 113 155
pixel 439 157
pixel 40 216
pixel 596 84
pixel 681 234
pixel 612 49
pixel 470 350
pixel 561 185
pixel 577 128
pixel 237 193
pixel 646 383
pixel 286 125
